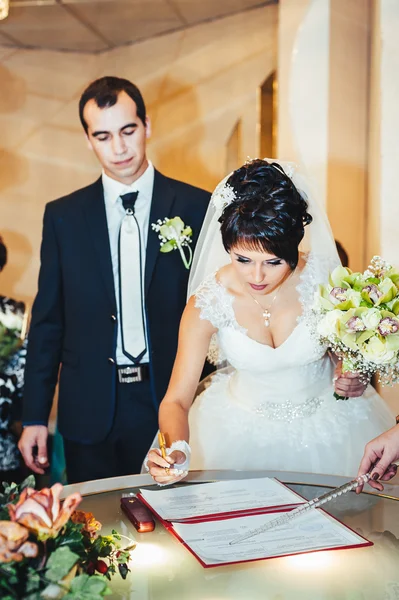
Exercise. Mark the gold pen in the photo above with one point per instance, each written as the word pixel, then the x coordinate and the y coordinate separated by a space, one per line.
pixel 162 444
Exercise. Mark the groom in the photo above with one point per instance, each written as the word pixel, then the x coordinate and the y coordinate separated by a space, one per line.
pixel 109 302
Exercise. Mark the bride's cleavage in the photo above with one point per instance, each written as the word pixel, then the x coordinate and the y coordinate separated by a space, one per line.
pixel 271 323
pixel 271 337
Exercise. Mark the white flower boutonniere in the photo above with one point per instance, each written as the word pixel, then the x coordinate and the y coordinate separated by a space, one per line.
pixel 175 235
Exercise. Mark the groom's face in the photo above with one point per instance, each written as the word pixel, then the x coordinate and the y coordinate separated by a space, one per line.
pixel 118 138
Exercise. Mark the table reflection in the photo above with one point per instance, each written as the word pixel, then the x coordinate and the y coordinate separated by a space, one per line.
pixel 162 569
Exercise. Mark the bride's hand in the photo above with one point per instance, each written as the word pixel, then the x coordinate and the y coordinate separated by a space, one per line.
pixel 161 469
pixel 347 384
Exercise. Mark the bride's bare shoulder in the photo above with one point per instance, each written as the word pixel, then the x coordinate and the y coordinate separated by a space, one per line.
pixel 225 276
pixel 228 279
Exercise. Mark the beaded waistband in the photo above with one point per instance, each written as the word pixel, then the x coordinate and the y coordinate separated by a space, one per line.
pixel 288 411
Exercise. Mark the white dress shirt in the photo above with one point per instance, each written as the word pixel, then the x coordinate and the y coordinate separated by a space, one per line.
pixel 115 213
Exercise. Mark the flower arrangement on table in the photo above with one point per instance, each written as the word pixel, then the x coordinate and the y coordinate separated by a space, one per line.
pixel 357 318
pixel 12 333
pixel 49 550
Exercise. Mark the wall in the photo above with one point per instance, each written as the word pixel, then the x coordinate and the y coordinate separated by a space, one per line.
pixel 197 84
pixel 323 57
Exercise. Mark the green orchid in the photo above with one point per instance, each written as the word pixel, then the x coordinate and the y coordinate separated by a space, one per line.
pixel 341 277
pixel 377 294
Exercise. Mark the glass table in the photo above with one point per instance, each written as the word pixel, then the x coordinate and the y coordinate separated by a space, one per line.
pixel 162 569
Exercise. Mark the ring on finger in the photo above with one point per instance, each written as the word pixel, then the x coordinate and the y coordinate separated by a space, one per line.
pixel 167 471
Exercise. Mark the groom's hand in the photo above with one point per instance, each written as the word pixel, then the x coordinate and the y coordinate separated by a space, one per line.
pixel 348 384
pixel 33 447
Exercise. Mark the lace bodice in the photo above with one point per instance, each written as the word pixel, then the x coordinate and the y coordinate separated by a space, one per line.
pixel 299 366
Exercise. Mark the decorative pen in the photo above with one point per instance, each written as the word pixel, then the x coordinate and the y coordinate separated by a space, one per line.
pixel 162 444
pixel 303 508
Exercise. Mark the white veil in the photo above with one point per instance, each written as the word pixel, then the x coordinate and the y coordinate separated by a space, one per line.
pixel 210 255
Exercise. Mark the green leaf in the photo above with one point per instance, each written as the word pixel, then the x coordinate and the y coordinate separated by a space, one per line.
pixel 123 556
pixel 32 581
pixel 168 246
pixel 85 587
pixel 366 304
pixel 28 482
pixel 60 563
pixel 73 538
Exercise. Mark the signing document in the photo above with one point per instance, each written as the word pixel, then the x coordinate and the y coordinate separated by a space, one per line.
pixel 207 517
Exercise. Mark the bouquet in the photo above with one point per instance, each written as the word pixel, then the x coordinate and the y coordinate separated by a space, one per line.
pixel 11 334
pixel 49 550
pixel 357 318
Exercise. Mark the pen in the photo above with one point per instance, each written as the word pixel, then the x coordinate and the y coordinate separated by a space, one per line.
pixel 162 444
pixel 315 503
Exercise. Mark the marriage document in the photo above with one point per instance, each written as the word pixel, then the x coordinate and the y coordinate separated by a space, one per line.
pixel 312 531
pixel 201 500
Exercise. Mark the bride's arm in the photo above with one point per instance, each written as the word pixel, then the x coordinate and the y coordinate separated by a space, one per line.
pixel 194 338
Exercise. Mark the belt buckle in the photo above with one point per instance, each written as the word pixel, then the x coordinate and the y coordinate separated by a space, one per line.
pixel 133 374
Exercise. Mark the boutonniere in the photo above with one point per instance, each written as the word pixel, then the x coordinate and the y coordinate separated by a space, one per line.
pixel 175 235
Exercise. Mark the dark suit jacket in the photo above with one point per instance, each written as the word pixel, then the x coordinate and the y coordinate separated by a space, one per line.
pixel 73 316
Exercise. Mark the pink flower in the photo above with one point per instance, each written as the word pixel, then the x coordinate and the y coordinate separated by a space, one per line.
pixel 13 543
pixel 338 293
pixel 42 512
pixel 387 326
pixel 356 324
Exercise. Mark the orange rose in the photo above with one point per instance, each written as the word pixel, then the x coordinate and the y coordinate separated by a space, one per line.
pixel 90 525
pixel 41 510
pixel 13 544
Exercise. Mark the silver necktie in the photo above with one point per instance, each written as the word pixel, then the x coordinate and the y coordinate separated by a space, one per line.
pixel 131 283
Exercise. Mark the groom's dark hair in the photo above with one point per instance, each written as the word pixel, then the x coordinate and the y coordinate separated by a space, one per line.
pixel 105 92
pixel 268 213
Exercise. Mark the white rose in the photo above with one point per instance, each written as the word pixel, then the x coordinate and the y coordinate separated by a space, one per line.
pixel 10 320
pixel 328 324
pixel 375 351
pixel 371 318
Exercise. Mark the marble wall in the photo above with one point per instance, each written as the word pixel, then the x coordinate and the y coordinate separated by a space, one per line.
pixel 197 84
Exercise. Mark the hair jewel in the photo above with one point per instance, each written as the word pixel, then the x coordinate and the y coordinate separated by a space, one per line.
pixel 223 196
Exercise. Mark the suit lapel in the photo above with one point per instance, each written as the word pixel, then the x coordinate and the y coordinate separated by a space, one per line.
pixel 96 217
pixel 163 197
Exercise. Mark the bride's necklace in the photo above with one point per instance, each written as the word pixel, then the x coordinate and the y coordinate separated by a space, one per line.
pixel 266 311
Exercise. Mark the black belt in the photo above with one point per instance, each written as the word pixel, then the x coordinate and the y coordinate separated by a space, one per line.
pixel 133 373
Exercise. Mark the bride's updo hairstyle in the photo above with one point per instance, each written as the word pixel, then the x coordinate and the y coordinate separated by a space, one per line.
pixel 268 213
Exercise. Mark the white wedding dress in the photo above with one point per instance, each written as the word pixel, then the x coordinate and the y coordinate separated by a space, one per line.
pixel 273 408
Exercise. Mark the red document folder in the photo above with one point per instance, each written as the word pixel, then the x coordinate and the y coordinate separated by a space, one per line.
pixel 188 530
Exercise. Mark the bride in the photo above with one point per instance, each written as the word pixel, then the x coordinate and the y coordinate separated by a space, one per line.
pixel 253 280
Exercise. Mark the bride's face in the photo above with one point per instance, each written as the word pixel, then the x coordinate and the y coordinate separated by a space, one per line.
pixel 259 272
